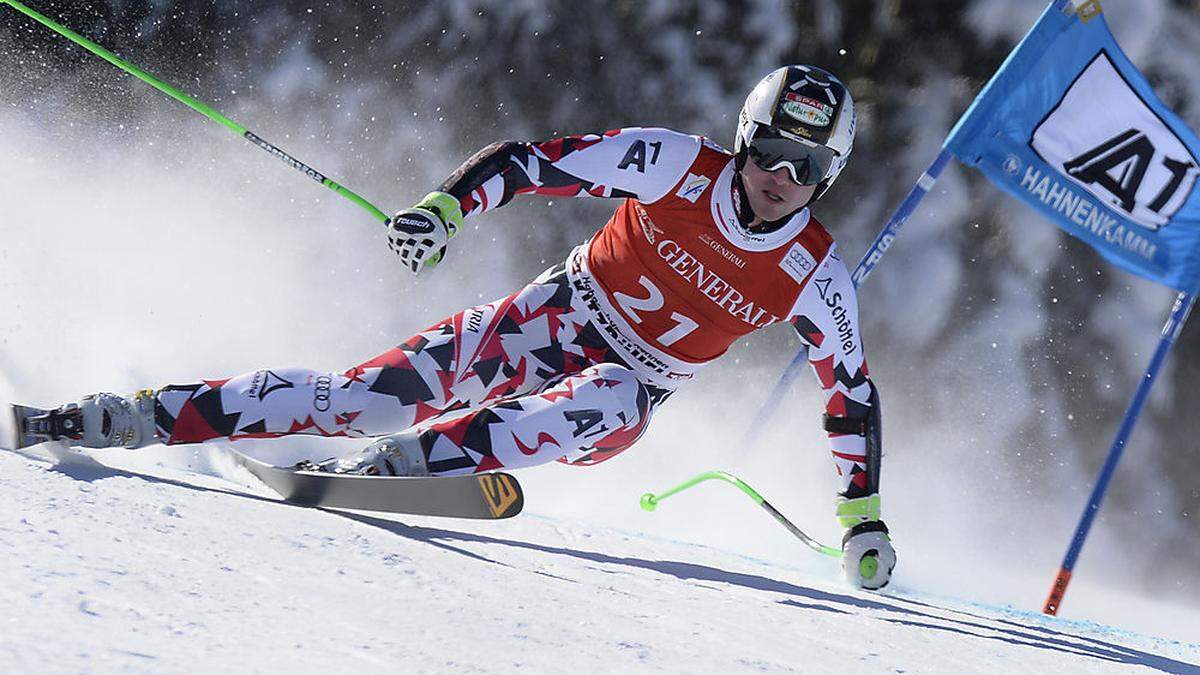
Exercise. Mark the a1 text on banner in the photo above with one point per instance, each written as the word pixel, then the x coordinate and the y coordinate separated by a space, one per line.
pixel 1069 125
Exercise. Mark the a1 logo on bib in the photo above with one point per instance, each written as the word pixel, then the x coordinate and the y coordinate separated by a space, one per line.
pixel 1110 143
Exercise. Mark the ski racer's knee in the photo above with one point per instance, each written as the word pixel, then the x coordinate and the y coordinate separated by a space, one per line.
pixel 630 397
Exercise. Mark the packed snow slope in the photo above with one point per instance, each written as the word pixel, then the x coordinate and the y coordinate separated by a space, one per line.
pixel 141 567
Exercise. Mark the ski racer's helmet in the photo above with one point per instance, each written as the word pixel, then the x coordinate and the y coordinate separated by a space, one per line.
pixel 799 117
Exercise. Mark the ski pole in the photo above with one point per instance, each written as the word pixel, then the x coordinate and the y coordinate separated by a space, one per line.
pixel 650 502
pixel 199 107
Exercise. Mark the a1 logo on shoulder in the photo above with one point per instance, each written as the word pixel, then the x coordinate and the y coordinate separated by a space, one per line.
pixel 1104 137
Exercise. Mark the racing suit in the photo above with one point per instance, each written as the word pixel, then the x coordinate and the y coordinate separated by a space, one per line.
pixel 572 367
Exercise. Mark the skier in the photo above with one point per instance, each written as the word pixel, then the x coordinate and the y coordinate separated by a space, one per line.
pixel 705 247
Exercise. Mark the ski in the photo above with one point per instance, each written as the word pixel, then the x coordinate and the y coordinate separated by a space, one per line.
pixel 489 496
pixel 24 426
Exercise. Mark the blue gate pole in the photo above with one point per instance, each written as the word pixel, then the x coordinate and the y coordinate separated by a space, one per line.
pixel 1179 314
pixel 869 260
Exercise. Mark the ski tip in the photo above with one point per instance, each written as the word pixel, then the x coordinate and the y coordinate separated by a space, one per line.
pixel 502 494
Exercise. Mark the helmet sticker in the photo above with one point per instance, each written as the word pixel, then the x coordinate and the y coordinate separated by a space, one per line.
pixel 806 109
pixel 809 105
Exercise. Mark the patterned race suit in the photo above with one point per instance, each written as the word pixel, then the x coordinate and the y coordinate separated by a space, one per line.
pixel 588 405
pixel 572 366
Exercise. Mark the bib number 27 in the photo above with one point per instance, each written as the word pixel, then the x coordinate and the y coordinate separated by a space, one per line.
pixel 633 306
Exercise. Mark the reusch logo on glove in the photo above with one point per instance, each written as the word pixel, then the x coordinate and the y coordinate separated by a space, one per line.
pixel 412 224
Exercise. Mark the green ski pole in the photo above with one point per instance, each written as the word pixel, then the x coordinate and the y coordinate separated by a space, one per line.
pixel 200 107
pixel 650 502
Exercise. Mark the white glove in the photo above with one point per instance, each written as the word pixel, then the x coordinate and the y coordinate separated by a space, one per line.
pixel 419 235
pixel 867 555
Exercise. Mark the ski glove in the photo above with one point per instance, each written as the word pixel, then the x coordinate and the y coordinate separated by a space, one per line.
pixel 419 235
pixel 867 555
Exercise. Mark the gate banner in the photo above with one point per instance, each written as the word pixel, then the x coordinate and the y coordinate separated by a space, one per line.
pixel 1070 126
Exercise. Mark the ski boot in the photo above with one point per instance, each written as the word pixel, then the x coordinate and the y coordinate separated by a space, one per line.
pixel 396 455
pixel 98 421
pixel 867 554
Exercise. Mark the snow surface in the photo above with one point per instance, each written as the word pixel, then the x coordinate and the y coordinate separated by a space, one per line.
pixel 144 568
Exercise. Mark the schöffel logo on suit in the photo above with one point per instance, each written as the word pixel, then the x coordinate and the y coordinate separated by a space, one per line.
pixel 1105 139
pixel 264 383
pixel 841 319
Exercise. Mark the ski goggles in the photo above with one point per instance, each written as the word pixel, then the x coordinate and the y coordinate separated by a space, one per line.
pixel 807 164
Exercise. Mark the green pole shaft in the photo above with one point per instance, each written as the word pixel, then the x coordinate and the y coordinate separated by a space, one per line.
pixel 198 106
pixel 650 502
